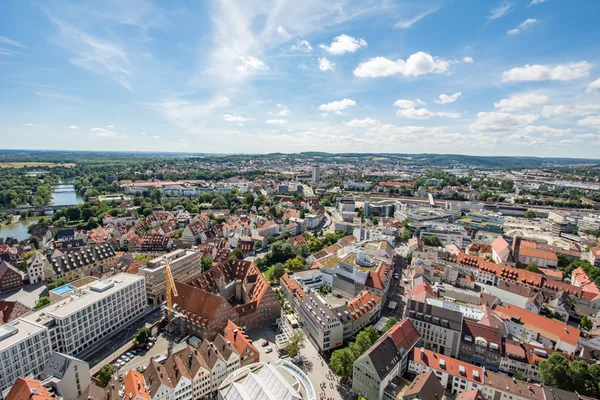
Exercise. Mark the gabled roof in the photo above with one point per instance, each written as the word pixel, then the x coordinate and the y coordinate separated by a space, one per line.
pixel 239 339
pixel 155 376
pixel 550 328
pixel 447 364
pixel 135 385
pixel 32 389
pixel 7 268
pixel 427 386
pixel 500 245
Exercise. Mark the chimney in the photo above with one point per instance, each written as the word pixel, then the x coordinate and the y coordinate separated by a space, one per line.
pixel 516 248
pixel 422 353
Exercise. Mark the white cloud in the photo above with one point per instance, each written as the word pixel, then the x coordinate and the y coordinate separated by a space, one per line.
pixel 501 122
pixel 29 124
pixel 234 118
pixel 344 44
pixel 284 112
pixel 276 121
pixel 111 126
pixel 326 65
pixel 5 40
pixel 445 99
pixel 106 58
pixel 468 60
pixel 143 133
pixel 523 25
pixel 546 131
pixel 101 132
pixel 423 113
pixel 362 123
pixel 500 11
pixel 337 105
pixel 417 64
pixel 592 86
pixel 402 103
pixel 73 127
pixel 563 111
pixel 520 102
pixel 155 137
pixel 534 2
pixel 303 46
pixel 251 64
pixel 405 24
pixel 281 30
pixel 591 121
pixel 560 72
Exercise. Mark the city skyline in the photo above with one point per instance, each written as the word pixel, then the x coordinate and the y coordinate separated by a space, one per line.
pixel 448 77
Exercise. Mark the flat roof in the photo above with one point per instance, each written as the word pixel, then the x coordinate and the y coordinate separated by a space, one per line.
pixel 350 259
pixel 83 297
pixel 16 331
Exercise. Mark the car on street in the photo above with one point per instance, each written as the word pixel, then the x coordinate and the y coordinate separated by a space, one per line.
pixel 268 349
pixel 265 343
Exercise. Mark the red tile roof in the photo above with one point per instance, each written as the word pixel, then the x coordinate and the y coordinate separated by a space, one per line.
pixel 363 303
pixel 552 329
pixel 447 364
pixel 32 389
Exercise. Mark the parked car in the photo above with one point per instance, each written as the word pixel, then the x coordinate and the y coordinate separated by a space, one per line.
pixel 268 350
pixel 134 351
pixel 125 358
pixel 265 343
pixel 128 354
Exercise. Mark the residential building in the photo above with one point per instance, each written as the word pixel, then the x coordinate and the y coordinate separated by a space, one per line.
pixel 11 310
pixel 455 376
pixel 277 380
pixel 185 266
pixel 75 264
pixel 158 381
pixel 197 369
pixel 315 171
pixel 67 375
pixel 501 251
pixel 24 349
pixel 440 328
pixel 32 389
pixel 91 312
pixel 313 220
pixel 193 233
pixel 424 387
pixel 233 290
pixel 524 359
pixel 527 326
pixel 36 265
pixel 134 386
pixel 481 345
pixel 154 242
pixel 365 309
pixel 242 344
pixel 179 377
pixel 387 359
pixel 10 277
pixel 499 386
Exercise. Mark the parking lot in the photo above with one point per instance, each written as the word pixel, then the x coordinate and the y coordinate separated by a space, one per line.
pixel 142 358
pixel 315 366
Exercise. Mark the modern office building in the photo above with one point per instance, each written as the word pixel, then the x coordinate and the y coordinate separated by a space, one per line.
pixel 89 313
pixel 185 267
pixel 24 349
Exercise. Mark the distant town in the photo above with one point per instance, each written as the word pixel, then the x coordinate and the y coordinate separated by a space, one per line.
pixel 140 276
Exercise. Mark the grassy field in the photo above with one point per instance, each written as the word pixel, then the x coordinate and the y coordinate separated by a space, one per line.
pixel 34 164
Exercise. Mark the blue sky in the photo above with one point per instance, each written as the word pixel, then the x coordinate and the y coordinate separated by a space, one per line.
pixel 488 77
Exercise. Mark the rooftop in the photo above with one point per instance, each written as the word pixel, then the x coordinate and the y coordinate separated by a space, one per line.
pixel 16 331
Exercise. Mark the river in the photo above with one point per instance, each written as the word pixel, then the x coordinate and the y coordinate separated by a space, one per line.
pixel 63 194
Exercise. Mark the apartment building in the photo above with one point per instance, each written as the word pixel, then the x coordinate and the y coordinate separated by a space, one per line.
pixel 36 265
pixel 481 345
pixel 24 349
pixel 528 326
pixel 440 328
pixel 242 344
pixel 185 266
pixel 455 376
pixel 67 375
pixel 75 264
pixel 158 382
pixel 524 359
pixel 386 359
pixel 10 277
pixel 89 313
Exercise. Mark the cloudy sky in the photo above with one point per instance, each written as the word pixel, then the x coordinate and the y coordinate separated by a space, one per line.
pixel 489 77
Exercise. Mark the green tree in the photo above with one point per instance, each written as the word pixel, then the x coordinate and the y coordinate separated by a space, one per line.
pixel 58 283
pixel 73 213
pixel 432 241
pixel 281 251
pixel 294 263
pixel 303 251
pixel 237 254
pixel 388 324
pixel 532 267
pixel 581 378
pixel 586 323
pixel 206 263
pixel 295 343
pixel 342 362
pixel 278 271
pixel 141 335
pixel 529 214
pixel 43 301
pixel 106 372
pixel 555 371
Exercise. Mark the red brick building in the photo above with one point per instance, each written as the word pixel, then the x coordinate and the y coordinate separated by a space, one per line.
pixel 10 277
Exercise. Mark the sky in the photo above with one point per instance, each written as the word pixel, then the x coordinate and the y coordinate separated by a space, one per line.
pixel 480 77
